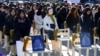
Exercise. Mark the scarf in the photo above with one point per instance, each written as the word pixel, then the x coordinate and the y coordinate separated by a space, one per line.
pixel 52 18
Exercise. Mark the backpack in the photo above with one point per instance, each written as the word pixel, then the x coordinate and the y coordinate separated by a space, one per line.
pixel 38 43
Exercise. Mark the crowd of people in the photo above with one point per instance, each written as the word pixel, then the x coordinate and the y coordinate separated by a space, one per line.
pixel 47 16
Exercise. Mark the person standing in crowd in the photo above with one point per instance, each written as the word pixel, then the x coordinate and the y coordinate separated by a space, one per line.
pixel 98 27
pixel 33 12
pixel 95 9
pixel 28 9
pixel 2 20
pixel 61 17
pixel 87 23
pixel 21 26
pixel 50 24
pixel 19 6
pixel 38 18
pixel 9 23
pixel 97 21
pixel 97 16
pixel 73 20
pixel 6 11
pixel 5 15
pixel 80 10
pixel 57 8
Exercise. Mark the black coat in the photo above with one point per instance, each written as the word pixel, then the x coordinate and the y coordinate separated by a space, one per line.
pixel 9 23
pixel 2 20
pixel 21 29
pixel 72 23
pixel 98 25
pixel 97 16
pixel 87 23
pixel 61 17
pixel 31 15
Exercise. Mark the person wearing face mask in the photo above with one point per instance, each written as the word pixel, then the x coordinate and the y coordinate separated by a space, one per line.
pixel 50 25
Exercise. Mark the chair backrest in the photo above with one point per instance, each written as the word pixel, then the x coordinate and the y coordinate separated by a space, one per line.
pixel 64 32
pixel 36 32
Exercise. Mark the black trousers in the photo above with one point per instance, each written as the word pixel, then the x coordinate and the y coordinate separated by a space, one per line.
pixel 98 32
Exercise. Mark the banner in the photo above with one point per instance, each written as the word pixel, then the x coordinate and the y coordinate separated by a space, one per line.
pixel 73 1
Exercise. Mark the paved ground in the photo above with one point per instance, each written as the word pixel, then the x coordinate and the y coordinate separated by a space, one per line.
pixel 91 53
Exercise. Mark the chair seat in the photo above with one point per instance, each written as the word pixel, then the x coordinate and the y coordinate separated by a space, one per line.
pixel 29 50
pixel 65 39
pixel 79 47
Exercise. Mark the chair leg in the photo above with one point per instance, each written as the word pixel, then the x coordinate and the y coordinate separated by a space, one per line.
pixel 49 53
pixel 0 38
pixel 25 54
pixel 79 52
pixel 14 50
pixel 60 48
pixel 87 52
pixel 68 47
pixel 10 52
pixel 42 54
pixel 73 51
pixel 95 51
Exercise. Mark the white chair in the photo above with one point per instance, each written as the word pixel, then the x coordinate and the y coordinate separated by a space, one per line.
pixel 19 48
pixel 30 51
pixel 0 37
pixel 64 36
pixel 96 46
pixel 48 42
pixel 78 47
